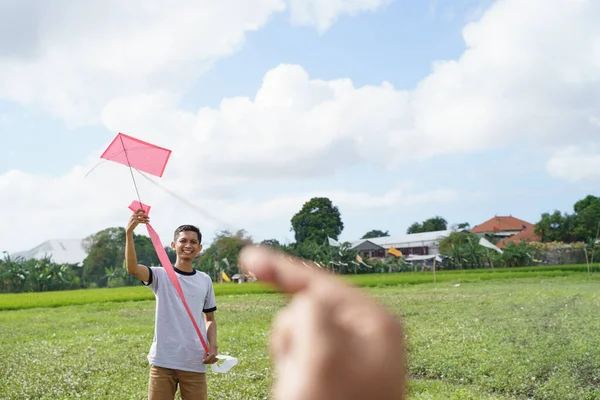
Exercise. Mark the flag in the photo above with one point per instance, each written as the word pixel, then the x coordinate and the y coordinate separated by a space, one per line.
pixel 395 252
pixel 225 277
pixel 332 242
pixel 485 243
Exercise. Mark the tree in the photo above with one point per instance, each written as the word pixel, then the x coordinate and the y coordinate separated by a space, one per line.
pixel 171 254
pixel 105 249
pixel 317 219
pixel 144 250
pixel 375 233
pixel 463 249
pixel 37 275
pixel 461 225
pixel 433 224
pixel 517 254
pixel 556 227
pixel 415 227
pixel 272 242
pixel 222 254
pixel 581 226
pixel 587 218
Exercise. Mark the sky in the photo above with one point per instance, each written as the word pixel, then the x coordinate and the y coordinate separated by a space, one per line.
pixel 396 110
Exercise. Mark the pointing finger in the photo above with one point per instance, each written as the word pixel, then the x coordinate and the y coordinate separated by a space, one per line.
pixel 288 273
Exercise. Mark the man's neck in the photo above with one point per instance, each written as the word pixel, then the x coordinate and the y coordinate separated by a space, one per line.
pixel 185 266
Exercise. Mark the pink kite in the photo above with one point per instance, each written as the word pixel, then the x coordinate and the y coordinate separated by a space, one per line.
pixel 137 154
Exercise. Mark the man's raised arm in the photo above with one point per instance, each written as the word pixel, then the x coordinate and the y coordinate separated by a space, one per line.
pixel 133 268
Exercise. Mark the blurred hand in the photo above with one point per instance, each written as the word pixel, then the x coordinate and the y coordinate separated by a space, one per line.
pixel 331 342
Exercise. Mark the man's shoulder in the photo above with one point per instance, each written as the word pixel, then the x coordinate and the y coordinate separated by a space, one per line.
pixel 203 275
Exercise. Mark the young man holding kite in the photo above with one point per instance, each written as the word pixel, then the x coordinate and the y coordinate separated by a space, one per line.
pixel 177 356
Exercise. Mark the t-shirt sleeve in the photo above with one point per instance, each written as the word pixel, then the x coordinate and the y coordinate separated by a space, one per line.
pixel 210 304
pixel 152 283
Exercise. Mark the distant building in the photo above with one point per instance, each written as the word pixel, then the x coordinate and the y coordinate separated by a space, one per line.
pixel 507 229
pixel 421 244
pixel 61 251
pixel 526 235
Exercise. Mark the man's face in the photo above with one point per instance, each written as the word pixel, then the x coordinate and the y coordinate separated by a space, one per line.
pixel 186 245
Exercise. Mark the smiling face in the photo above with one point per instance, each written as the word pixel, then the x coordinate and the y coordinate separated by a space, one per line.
pixel 187 244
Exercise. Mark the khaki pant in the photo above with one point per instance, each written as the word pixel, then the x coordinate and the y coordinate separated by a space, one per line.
pixel 163 384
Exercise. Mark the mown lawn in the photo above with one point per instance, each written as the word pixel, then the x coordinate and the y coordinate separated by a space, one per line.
pixel 512 338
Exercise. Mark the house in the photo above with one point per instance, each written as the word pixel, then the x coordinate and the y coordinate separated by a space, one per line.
pixel 422 244
pixel 527 235
pixel 367 248
pixel 501 227
pixel 61 251
pixel 507 229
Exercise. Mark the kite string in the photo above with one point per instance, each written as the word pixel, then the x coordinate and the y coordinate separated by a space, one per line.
pixel 130 170
pixel 188 203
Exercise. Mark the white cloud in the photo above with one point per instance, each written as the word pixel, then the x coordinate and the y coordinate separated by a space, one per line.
pixel 71 58
pixel 575 164
pixel 536 83
pixel 293 127
pixel 38 208
pixel 536 79
pixel 86 53
pixel 284 206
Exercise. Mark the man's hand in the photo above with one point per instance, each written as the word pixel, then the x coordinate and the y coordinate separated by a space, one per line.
pixel 139 217
pixel 211 356
pixel 331 342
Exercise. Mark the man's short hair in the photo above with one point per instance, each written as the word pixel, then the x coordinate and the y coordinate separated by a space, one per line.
pixel 187 228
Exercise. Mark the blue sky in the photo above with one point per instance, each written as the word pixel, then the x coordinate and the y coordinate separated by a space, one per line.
pixel 398 43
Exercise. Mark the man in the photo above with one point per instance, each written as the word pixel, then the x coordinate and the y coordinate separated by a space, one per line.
pixel 332 341
pixel 177 357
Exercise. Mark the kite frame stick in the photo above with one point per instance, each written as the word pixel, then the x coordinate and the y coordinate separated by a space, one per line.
pixel 130 169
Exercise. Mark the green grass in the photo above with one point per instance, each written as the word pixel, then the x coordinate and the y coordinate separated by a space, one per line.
pixel 512 338
pixel 16 301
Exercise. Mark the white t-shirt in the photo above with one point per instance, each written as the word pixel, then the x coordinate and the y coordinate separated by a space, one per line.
pixel 176 344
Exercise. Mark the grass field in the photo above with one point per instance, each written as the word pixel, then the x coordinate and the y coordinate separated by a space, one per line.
pixel 17 301
pixel 506 334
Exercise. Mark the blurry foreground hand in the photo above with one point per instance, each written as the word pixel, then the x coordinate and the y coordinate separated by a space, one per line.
pixel 331 342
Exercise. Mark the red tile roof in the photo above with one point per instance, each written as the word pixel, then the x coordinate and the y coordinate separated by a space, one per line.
pixel 500 224
pixel 527 235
